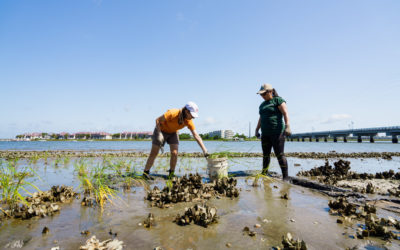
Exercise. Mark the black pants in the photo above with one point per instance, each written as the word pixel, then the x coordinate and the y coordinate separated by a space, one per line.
pixel 278 143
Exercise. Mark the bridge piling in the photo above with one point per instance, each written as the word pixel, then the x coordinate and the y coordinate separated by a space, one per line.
pixel 334 139
pixel 344 139
pixel 325 139
pixel 371 139
pixel 395 139
pixel 317 139
pixel 359 139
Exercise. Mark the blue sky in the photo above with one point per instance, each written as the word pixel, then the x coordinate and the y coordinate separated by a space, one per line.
pixel 115 66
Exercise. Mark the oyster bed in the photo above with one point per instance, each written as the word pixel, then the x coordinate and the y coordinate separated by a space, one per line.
pixel 152 217
pixel 12 154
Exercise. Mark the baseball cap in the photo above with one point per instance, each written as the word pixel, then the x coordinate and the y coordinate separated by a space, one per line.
pixel 265 87
pixel 192 107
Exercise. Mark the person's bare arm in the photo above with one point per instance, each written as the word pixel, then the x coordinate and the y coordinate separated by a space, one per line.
pixel 159 120
pixel 197 137
pixel 284 111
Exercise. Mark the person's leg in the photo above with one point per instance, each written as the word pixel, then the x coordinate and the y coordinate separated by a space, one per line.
pixel 174 157
pixel 153 154
pixel 173 141
pixel 266 148
pixel 279 149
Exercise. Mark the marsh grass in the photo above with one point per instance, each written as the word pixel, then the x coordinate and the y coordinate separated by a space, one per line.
pixel 96 182
pixel 66 160
pixel 13 183
pixel 81 167
pixel 57 161
pixel 34 159
pixel 258 176
pixel 101 180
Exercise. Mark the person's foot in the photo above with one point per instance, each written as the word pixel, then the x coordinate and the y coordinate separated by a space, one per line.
pixel 265 172
pixel 146 176
pixel 171 174
pixel 285 175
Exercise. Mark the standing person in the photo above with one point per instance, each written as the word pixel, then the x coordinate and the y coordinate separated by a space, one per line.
pixel 273 130
pixel 166 130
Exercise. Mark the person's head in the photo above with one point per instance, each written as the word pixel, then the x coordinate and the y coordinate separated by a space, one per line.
pixel 267 92
pixel 190 111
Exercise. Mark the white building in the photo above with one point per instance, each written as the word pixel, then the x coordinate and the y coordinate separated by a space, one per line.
pixel 223 134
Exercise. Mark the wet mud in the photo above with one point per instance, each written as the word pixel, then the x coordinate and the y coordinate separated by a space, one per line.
pixel 304 216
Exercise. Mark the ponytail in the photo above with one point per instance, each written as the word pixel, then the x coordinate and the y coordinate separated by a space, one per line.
pixel 274 93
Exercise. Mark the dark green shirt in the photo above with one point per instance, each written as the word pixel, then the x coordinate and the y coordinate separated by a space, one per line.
pixel 271 116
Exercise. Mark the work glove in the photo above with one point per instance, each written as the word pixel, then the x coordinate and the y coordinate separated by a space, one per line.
pixel 288 132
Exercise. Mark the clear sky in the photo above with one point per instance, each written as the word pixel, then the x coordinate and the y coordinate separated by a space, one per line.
pixel 102 65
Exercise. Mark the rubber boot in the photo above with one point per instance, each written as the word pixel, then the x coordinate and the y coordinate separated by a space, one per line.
pixel 171 173
pixel 285 175
pixel 146 175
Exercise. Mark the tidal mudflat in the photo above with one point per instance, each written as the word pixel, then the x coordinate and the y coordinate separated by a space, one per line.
pixel 270 210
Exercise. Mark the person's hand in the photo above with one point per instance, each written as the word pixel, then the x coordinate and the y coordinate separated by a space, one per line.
pixel 288 132
pixel 206 154
pixel 258 135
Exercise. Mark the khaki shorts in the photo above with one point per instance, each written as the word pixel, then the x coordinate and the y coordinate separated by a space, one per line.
pixel 159 138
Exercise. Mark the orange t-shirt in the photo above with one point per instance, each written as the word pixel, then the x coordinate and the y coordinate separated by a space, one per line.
pixel 171 122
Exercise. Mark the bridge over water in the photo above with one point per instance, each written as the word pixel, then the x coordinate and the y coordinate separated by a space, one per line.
pixel 359 133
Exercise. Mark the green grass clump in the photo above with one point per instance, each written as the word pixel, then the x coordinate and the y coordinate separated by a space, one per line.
pixel 13 184
pixel 96 183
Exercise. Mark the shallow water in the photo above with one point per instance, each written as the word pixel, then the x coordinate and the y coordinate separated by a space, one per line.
pixel 64 174
pixel 308 209
pixel 192 146
pixel 304 215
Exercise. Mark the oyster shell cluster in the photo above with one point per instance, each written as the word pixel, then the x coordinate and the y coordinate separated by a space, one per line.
pixel 379 228
pixel 191 188
pixel 43 203
pixel 343 207
pixel 94 244
pixel 149 221
pixel 373 226
pixel 6 154
pixel 288 242
pixel 341 171
pixel 202 215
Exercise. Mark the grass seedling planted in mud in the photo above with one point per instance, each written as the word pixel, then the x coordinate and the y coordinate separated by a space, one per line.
pixel 96 183
pixel 260 176
pixel 13 183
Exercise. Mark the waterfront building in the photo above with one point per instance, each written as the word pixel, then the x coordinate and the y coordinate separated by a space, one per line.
pixel 223 134
pixel 135 135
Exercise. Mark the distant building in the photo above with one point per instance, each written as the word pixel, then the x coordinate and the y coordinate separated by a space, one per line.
pixel 223 134
pixel 101 136
pixel 84 135
pixel 135 135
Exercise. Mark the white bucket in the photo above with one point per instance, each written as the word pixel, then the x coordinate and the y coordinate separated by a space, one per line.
pixel 217 168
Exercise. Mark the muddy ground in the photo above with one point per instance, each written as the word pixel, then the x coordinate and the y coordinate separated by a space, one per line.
pixel 305 215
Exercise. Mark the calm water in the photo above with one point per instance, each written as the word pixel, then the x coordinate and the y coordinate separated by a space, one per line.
pixel 212 146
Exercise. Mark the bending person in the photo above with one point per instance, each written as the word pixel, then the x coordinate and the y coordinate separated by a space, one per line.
pixel 273 130
pixel 166 130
